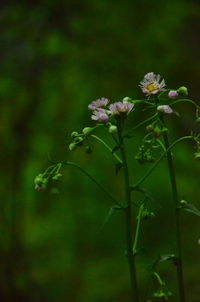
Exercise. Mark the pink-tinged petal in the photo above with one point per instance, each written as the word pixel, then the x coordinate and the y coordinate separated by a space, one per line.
pixel 165 109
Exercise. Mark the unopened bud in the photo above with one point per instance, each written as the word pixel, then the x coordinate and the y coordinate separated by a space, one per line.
pixel 173 94
pixel 74 134
pixel 72 146
pixel 183 202
pixel 197 155
pixel 112 129
pixel 126 99
pixel 183 90
pixel 87 130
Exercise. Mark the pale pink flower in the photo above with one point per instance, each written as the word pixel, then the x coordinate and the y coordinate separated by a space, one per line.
pixel 98 103
pixel 120 107
pixel 173 94
pixel 100 115
pixel 165 109
pixel 151 84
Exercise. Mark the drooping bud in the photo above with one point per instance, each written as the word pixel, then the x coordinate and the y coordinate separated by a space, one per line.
pixel 87 130
pixel 40 183
pixel 112 129
pixel 74 134
pixel 72 146
pixel 183 90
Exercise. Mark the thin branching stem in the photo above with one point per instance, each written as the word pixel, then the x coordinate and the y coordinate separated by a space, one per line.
pixel 107 146
pixel 160 158
pixel 92 179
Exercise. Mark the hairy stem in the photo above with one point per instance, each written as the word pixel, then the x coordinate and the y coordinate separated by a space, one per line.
pixel 172 176
pixel 128 219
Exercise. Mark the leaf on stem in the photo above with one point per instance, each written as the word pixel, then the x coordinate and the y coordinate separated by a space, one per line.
pixel 189 207
pixel 143 190
pixel 110 214
pixel 167 257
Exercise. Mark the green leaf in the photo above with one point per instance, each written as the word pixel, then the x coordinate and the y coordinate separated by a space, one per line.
pixel 189 207
pixel 110 214
pixel 143 190
pixel 167 257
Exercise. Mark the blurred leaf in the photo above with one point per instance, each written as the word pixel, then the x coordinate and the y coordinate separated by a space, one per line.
pixel 110 214
pixel 189 207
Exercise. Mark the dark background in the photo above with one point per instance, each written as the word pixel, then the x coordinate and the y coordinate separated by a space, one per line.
pixel 56 57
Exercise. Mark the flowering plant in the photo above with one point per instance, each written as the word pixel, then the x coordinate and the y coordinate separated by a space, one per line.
pixel 112 116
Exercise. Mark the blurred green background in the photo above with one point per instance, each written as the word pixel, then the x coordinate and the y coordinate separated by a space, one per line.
pixel 56 57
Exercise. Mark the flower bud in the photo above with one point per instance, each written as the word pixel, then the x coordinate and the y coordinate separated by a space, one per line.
pixel 39 179
pixel 87 130
pixel 72 146
pixel 197 155
pixel 74 134
pixel 183 202
pixel 112 129
pixel 173 94
pixel 56 176
pixel 126 99
pixel 183 90
pixel 149 128
pixel 40 188
pixel 165 109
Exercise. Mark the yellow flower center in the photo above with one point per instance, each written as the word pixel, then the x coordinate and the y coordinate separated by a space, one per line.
pixel 151 87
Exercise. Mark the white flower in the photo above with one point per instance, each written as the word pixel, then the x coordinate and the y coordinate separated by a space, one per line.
pixel 151 83
pixel 100 115
pixel 165 109
pixel 98 103
pixel 121 107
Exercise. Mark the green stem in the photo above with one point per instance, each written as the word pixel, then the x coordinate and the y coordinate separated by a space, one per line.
pixel 160 158
pixel 137 229
pixel 172 175
pixel 184 100
pixel 108 147
pixel 141 124
pixel 128 219
pixel 92 179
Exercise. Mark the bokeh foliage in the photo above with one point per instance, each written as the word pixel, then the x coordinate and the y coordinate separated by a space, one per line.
pixel 56 57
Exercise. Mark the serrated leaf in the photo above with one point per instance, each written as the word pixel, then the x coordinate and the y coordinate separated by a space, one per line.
pixel 118 167
pixel 189 207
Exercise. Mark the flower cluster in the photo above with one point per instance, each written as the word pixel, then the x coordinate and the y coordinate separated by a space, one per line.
pixel 51 174
pixel 102 112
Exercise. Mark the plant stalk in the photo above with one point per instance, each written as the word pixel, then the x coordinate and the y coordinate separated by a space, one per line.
pixel 128 219
pixel 179 264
